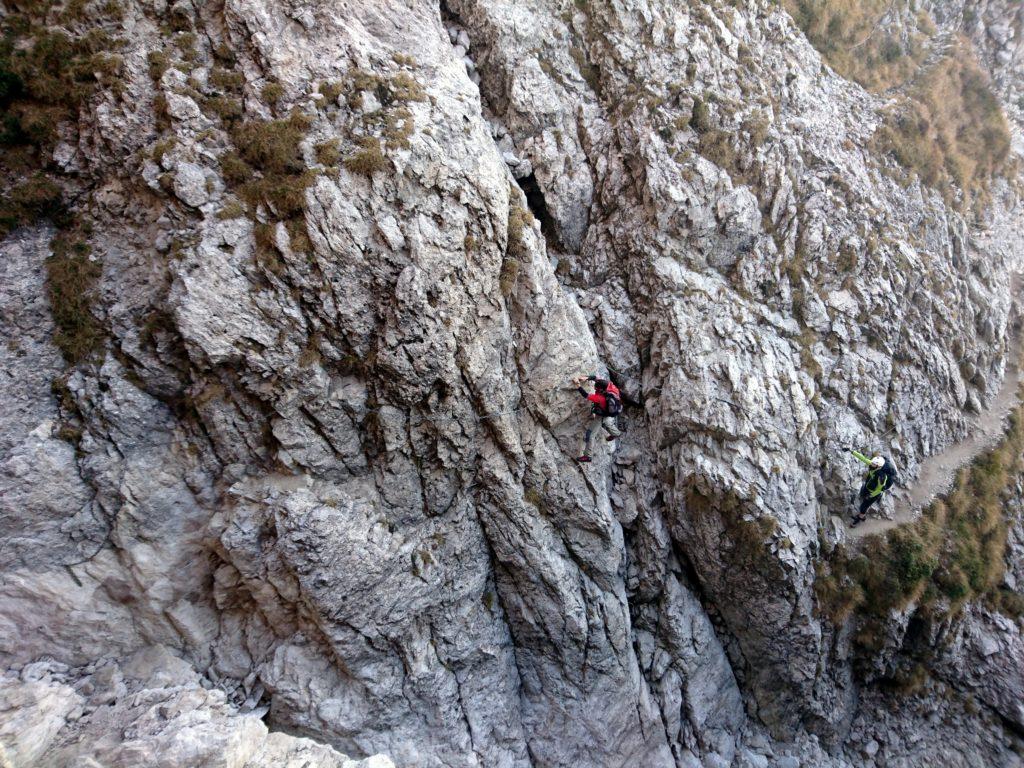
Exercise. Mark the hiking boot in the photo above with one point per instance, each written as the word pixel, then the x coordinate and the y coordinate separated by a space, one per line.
pixel 857 520
pixel 611 437
pixel 583 459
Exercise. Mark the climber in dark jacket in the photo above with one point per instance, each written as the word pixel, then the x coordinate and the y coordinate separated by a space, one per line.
pixel 606 404
pixel 880 477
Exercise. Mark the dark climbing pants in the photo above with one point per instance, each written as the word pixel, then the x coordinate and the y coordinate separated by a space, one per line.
pixel 867 501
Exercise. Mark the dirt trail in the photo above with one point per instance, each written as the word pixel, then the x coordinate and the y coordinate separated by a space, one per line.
pixel 938 471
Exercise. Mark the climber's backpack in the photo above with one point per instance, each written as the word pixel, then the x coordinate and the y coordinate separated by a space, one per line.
pixel 890 470
pixel 612 400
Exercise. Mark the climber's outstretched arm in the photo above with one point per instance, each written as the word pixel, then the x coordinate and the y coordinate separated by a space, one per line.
pixel 861 457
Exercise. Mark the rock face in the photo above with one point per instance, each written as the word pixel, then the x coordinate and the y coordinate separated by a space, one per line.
pixel 171 720
pixel 314 494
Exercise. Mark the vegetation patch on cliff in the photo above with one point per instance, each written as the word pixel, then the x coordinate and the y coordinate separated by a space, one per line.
pixel 947 128
pixel 46 76
pixel 953 554
pixel 268 170
pixel 747 536
pixel 71 277
pixel 855 39
pixel 950 130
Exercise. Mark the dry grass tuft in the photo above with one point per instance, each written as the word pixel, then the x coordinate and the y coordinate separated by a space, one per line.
pixel 272 146
pixel 232 210
pixel 951 132
pixel 268 172
pixel 71 277
pixel 38 197
pixel 519 220
pixel 331 91
pixel 272 93
pixel 159 62
pixel 848 35
pixel 227 80
pixel 329 152
pixel 368 159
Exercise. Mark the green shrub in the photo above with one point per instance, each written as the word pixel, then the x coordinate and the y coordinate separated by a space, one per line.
pixel 909 559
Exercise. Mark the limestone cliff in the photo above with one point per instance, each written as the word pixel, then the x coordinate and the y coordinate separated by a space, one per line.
pixel 291 294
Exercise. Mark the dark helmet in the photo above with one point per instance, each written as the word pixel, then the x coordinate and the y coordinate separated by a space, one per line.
pixel 600 383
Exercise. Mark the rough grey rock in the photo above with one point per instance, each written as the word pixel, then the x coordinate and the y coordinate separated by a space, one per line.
pixel 325 464
pixel 984 652
pixel 153 711
pixel 190 184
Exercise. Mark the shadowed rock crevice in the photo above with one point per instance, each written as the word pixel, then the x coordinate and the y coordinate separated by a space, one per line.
pixel 538 206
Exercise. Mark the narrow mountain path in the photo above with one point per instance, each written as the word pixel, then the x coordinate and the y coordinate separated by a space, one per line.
pixel 939 471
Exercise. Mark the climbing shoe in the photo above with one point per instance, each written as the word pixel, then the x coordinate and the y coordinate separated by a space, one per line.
pixel 583 459
pixel 857 520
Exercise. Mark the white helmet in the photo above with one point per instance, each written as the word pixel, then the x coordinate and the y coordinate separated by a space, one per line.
pixel 878 462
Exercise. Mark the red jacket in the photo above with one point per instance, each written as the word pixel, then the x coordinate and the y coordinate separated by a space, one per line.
pixel 600 404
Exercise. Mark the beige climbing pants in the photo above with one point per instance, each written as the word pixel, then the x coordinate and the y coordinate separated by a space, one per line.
pixel 596 420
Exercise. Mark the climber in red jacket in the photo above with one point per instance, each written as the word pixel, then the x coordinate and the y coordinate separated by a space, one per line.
pixel 606 405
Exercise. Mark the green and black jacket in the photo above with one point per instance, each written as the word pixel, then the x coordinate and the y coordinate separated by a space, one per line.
pixel 876 481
